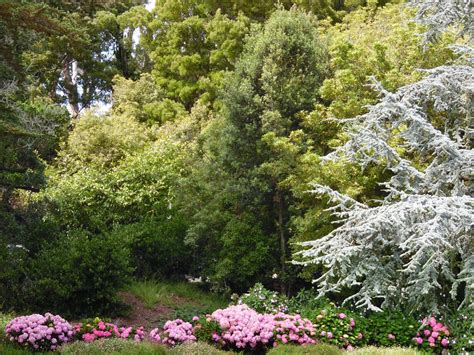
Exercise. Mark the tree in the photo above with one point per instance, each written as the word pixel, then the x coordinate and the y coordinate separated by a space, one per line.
pixel 77 69
pixel 416 246
pixel 276 78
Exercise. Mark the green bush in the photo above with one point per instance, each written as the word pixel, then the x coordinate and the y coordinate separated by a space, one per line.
pixel 390 328
pixel 157 246
pixel 113 346
pixel 4 319
pixel 79 275
pixel 461 326
pixel 307 304
pixel 339 327
pixel 204 330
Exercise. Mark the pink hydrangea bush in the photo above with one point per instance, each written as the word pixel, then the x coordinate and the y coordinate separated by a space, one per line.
pixel 39 332
pixel 293 329
pixel 243 328
pixel 174 332
pixel 432 335
pixel 98 329
pixel 335 326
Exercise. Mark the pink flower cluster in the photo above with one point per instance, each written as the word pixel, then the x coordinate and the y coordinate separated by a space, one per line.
pixel 101 329
pixel 174 332
pixel 39 332
pixel 432 333
pixel 293 329
pixel 242 327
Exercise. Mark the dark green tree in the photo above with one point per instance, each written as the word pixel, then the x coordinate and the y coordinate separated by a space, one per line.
pixel 276 79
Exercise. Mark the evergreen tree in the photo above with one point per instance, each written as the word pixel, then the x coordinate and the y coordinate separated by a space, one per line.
pixel 416 246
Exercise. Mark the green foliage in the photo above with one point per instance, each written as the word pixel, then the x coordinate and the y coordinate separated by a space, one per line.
pixel 307 304
pixel 140 186
pixel 113 346
pixel 102 142
pixel 78 275
pixel 340 327
pixel 263 300
pixel 204 330
pixel 144 100
pixel 242 213
pixel 379 327
pixel 5 318
pixel 392 58
pixel 157 246
pixel 461 327
pixel 190 52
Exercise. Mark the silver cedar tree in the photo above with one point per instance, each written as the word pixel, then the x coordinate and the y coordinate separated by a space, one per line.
pixel 414 248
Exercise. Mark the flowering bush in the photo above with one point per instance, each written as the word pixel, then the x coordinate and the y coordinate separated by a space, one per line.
pixel 38 332
pixel 207 330
pixel 264 301
pixel 243 328
pixel 335 326
pixel 390 329
pixel 432 335
pixel 174 332
pixel 99 329
pixel 293 329
pixel 461 329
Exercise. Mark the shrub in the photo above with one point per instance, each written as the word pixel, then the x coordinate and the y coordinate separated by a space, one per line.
pixel 157 246
pixel 4 320
pixel 206 330
pixel 390 328
pixel 79 275
pixel 243 328
pixel 432 335
pixel 38 332
pixel 174 332
pixel 307 303
pixel 335 326
pixel 293 329
pixel 99 329
pixel 461 325
pixel 264 301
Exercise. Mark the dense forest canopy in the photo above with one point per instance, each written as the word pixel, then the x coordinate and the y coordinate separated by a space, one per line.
pixel 208 138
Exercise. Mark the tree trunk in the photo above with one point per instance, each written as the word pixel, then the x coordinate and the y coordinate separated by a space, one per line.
pixel 70 86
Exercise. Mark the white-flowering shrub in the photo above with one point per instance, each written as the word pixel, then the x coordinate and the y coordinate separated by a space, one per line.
pixel 416 243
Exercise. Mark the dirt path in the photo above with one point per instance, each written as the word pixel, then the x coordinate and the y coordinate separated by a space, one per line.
pixel 140 315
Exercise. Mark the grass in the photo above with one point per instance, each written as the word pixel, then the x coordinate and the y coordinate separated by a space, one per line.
pixel 320 349
pixel 373 350
pixel 113 346
pixel 198 349
pixel 175 295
